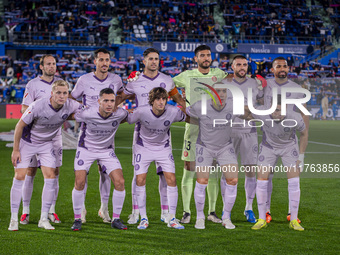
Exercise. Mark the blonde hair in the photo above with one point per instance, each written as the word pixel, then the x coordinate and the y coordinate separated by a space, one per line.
pixel 59 83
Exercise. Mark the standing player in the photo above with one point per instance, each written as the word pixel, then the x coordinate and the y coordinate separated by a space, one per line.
pixel 153 144
pixel 88 87
pixel 203 59
pixel 281 141
pixel 33 137
pixel 37 88
pixel 214 142
pixel 97 143
pixel 280 69
pixel 245 138
pixel 149 79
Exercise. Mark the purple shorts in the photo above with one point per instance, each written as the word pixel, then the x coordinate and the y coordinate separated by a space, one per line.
pixel 224 156
pixel 58 145
pixel 268 156
pixel 45 152
pixel 246 145
pixel 106 158
pixel 142 157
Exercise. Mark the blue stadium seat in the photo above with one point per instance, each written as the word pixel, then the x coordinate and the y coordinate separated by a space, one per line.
pixel 251 41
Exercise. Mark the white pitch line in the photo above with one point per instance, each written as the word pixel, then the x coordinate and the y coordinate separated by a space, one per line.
pixel 321 152
pixel 328 144
pixel 311 152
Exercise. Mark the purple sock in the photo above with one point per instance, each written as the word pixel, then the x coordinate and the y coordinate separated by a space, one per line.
pixel 118 198
pixel 47 195
pixel 27 190
pixel 173 198
pixel 104 187
pixel 229 200
pixel 162 187
pixel 16 192
pixel 78 201
pixel 199 195
pixel 261 196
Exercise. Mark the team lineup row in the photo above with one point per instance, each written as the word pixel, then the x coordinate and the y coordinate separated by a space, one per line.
pixel 44 113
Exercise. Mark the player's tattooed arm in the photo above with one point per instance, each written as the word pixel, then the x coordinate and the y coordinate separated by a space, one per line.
pixel 121 97
pixel 178 98
pixel 23 108
pixel 71 97
pixel 16 157
pixel 302 148
pixel 191 120
pixel 247 114
pixel 306 119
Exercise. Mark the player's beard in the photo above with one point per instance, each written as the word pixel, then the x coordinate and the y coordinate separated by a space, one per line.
pixel 239 75
pixel 282 76
pixel 104 71
pixel 203 66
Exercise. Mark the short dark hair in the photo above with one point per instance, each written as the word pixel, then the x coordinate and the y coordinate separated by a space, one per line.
pixel 150 50
pixel 201 48
pixel 106 91
pixel 279 58
pixel 102 50
pixel 42 59
pixel 238 57
pixel 157 93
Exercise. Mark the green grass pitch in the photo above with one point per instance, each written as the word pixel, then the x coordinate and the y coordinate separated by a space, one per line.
pixel 319 210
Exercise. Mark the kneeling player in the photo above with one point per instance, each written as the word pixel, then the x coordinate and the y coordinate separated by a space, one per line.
pixel 99 128
pixel 281 141
pixel 214 142
pixel 153 144
pixel 33 137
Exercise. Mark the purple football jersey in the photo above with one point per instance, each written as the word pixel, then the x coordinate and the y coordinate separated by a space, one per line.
pixel 154 131
pixel 144 84
pixel 268 92
pixel 278 134
pixel 44 121
pixel 88 87
pixel 248 83
pixel 37 89
pixel 210 136
pixel 98 132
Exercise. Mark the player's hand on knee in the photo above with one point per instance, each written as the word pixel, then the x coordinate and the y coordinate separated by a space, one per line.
pixel 16 157
pixel 133 76
pixel 300 163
